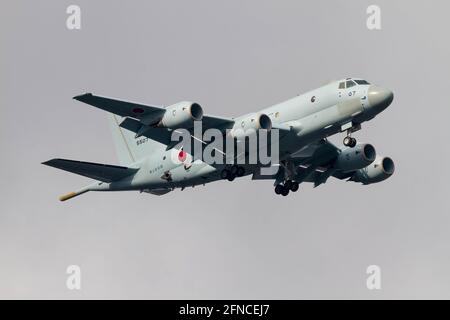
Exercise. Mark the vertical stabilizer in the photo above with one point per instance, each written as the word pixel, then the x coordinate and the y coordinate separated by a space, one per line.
pixel 130 149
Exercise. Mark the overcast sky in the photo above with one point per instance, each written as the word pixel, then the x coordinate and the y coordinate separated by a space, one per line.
pixel 225 240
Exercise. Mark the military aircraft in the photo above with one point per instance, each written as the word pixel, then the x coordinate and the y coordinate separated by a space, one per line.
pixel 143 139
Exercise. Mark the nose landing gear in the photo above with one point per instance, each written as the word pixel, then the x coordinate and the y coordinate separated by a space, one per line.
pixel 349 142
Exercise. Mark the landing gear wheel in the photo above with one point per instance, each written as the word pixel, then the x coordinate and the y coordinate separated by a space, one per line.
pixel 240 171
pixel 234 170
pixel 294 186
pixel 347 141
pixel 278 189
pixel 231 177
pixel 288 184
pixel 284 191
pixel 225 174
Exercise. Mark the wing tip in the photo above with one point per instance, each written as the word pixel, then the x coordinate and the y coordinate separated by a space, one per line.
pixel 81 96
pixel 50 162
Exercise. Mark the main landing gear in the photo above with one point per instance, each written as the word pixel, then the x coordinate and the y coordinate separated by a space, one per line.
pixel 287 186
pixel 233 172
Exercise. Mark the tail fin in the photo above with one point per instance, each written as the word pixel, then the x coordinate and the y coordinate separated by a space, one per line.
pixel 128 148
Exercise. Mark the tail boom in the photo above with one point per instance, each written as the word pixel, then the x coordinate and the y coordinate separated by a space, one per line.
pixel 73 194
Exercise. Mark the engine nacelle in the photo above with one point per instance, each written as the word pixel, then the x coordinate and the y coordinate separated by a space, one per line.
pixel 250 124
pixel 181 115
pixel 381 169
pixel 355 158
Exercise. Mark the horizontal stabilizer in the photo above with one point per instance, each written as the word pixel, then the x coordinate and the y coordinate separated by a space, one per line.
pixel 97 171
pixel 162 135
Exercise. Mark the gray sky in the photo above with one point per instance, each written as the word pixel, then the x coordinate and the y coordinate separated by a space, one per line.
pixel 225 240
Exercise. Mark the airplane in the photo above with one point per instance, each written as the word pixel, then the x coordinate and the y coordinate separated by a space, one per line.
pixel 142 138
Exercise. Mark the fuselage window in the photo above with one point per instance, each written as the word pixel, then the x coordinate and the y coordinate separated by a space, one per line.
pixel 350 84
pixel 342 85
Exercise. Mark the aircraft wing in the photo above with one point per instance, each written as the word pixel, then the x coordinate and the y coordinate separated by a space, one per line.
pixel 318 154
pixel 97 171
pixel 164 135
pixel 220 123
pixel 145 114
pixel 322 154
pixel 312 164
pixel 122 108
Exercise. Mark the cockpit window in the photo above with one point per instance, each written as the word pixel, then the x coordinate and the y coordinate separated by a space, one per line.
pixel 361 82
pixel 350 84
pixel 342 85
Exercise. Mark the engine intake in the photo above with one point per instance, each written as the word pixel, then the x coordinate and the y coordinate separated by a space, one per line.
pixel 355 158
pixel 181 115
pixel 381 169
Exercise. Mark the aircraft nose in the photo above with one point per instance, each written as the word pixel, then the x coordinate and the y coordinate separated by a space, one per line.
pixel 379 98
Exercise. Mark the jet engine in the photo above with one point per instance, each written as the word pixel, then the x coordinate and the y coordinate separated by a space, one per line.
pixel 250 124
pixel 381 169
pixel 355 158
pixel 181 115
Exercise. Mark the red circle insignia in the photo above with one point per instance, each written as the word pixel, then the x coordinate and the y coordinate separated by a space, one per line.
pixel 138 110
pixel 182 155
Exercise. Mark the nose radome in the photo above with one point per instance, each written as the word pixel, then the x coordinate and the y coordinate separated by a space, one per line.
pixel 380 98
